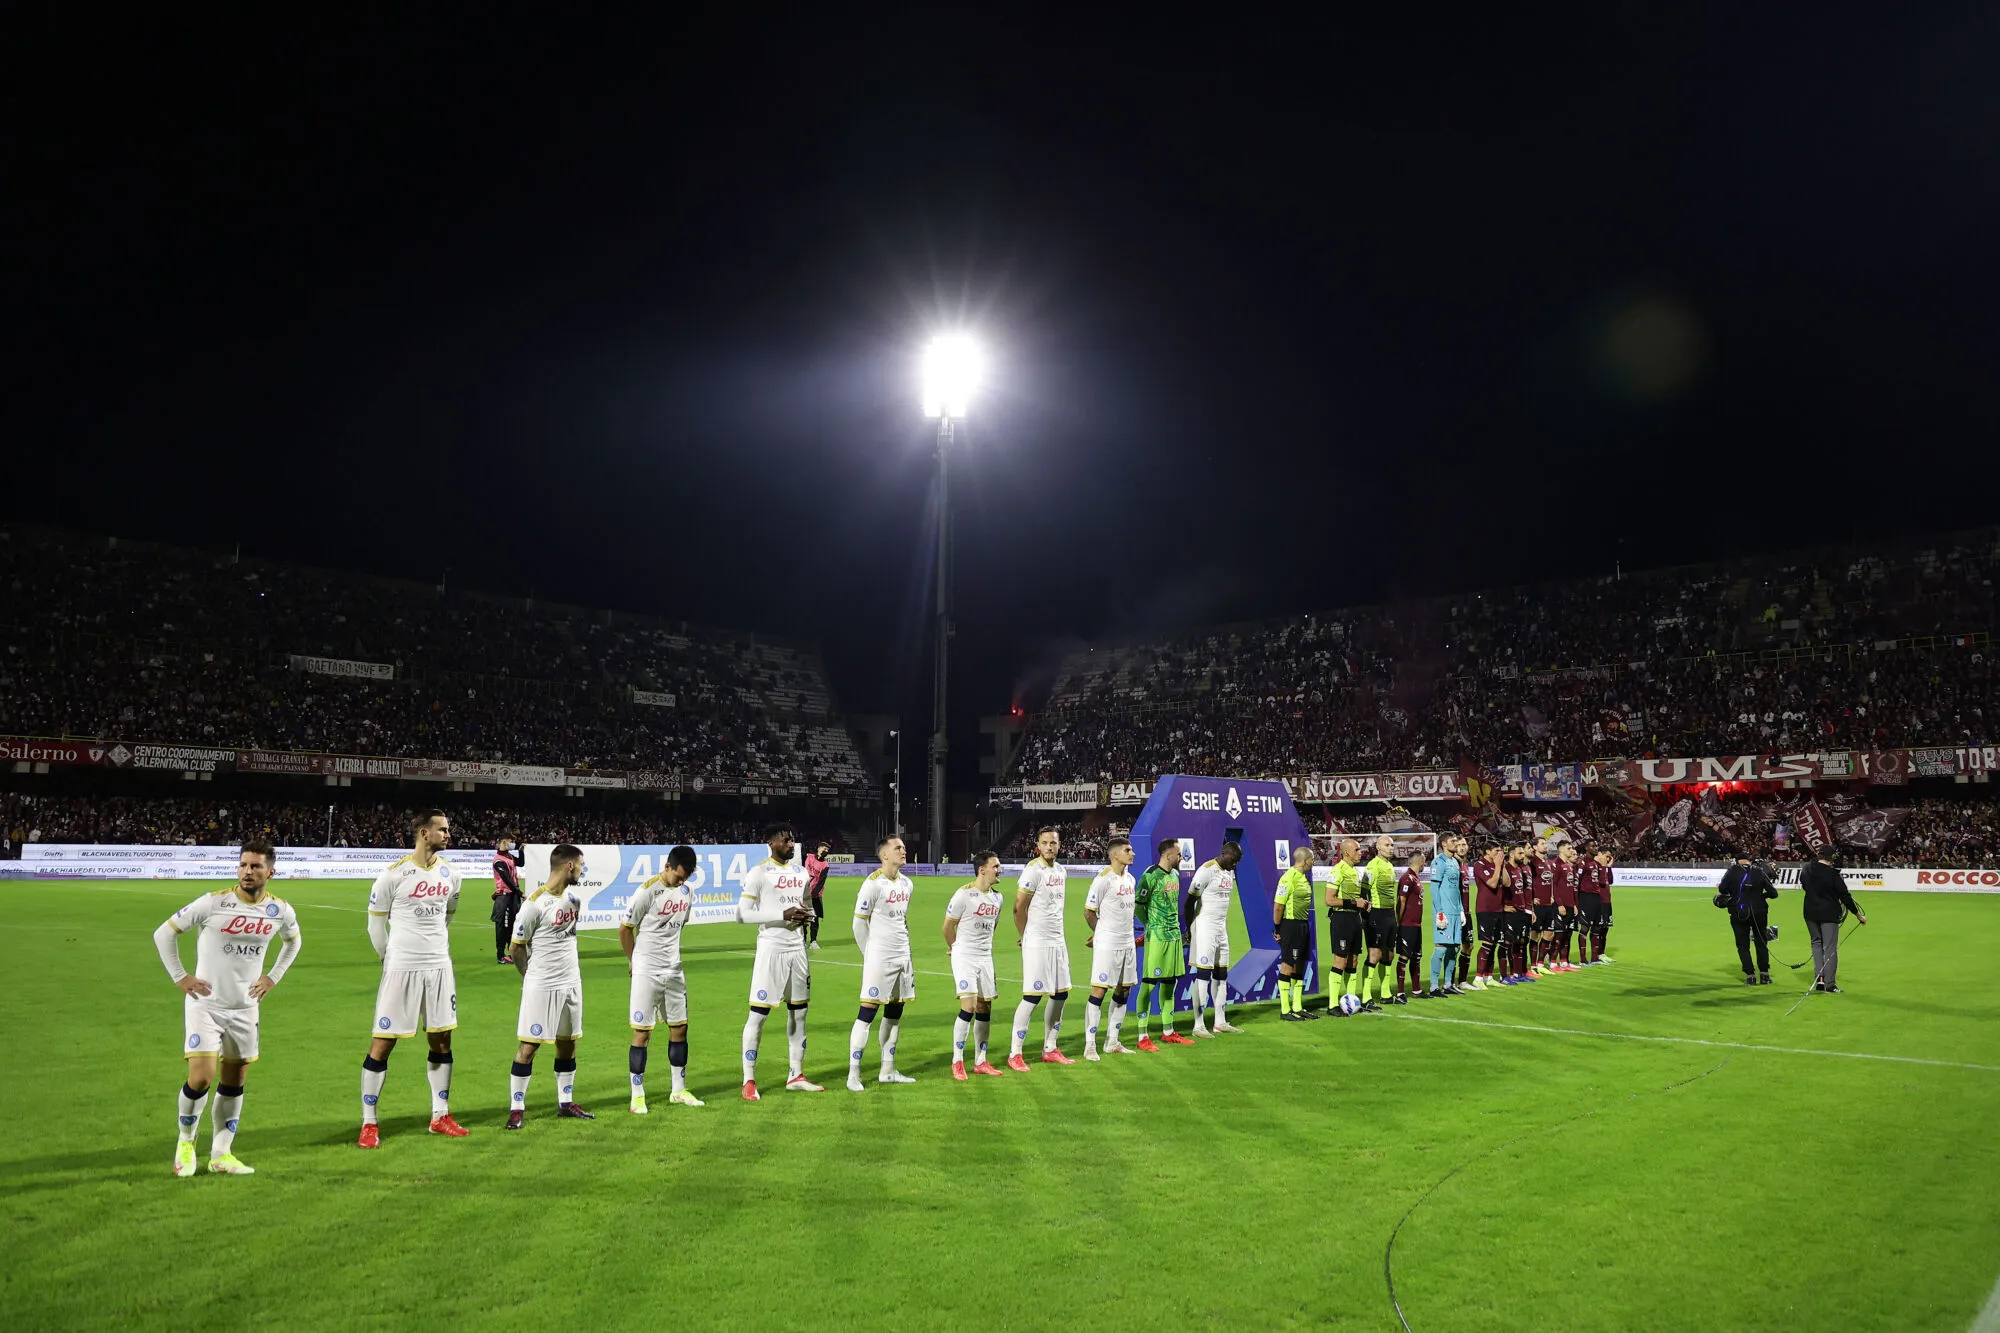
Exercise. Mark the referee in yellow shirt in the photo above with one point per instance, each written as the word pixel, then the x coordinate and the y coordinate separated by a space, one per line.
pixel 1292 919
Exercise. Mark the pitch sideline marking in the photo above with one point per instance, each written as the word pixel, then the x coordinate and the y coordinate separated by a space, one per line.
pixel 1988 1319
pixel 1704 1041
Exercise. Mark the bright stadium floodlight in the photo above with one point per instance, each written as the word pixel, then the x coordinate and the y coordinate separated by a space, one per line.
pixel 952 364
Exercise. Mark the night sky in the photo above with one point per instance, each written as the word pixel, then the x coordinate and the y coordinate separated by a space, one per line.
pixel 1282 317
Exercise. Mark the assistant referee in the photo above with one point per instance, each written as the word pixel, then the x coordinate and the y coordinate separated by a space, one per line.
pixel 1292 919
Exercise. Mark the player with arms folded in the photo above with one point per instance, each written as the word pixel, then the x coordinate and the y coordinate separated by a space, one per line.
pixel 888 969
pixel 1292 921
pixel 1378 924
pixel 410 909
pixel 551 985
pixel 969 920
pixel 1114 964
pixel 1159 905
pixel 1410 929
pixel 650 935
pixel 223 996
pixel 1210 894
pixel 774 900
pixel 1038 916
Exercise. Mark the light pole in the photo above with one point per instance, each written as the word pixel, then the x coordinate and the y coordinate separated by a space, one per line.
pixel 951 373
pixel 896 782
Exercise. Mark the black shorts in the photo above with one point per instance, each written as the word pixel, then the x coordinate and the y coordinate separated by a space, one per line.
pixel 1295 942
pixel 1379 930
pixel 1545 916
pixel 1343 933
pixel 1410 941
pixel 1515 925
pixel 1489 926
pixel 1589 907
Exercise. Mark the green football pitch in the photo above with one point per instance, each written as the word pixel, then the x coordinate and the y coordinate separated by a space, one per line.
pixel 1647 1145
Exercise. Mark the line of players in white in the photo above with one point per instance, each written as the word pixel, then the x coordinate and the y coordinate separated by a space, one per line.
pixel 412 903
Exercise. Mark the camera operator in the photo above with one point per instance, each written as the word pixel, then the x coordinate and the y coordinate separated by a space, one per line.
pixel 1747 892
pixel 1827 899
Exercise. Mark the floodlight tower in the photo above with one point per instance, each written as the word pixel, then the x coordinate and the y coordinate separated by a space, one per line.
pixel 952 364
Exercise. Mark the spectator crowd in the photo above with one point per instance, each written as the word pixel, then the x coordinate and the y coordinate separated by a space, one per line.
pixel 109 641
pixel 1864 648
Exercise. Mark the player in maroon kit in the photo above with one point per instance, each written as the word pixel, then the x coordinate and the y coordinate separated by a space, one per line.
pixel 1410 929
pixel 1517 922
pixel 1569 872
pixel 1602 928
pixel 1489 879
pixel 1542 894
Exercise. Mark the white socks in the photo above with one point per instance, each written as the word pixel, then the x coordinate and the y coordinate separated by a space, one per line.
pixel 1200 997
pixel 961 1028
pixel 371 1092
pixel 982 1028
pixel 1219 992
pixel 1093 1015
pixel 517 1092
pixel 857 1046
pixel 190 1112
pixel 1023 1012
pixel 565 1082
pixel 440 1088
pixel 1117 1018
pixel 1052 1021
pixel 223 1122
pixel 795 1040
pixel 751 1031
pixel 890 1028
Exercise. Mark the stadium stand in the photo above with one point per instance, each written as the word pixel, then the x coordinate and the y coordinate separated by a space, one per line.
pixel 1860 647
pixel 141 643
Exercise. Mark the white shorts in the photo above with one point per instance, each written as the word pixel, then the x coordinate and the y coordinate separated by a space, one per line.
pixel 659 997
pixel 1208 945
pixel 1044 968
pixel 228 1034
pixel 1114 965
pixel 549 1014
pixel 410 999
pixel 780 977
pixel 885 979
pixel 974 977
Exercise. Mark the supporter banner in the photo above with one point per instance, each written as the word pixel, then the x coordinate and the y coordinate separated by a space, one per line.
pixel 611 874
pixel 1887 768
pixel 1004 798
pixel 115 861
pixel 652 780
pixel 24 751
pixel 1063 796
pixel 173 758
pixel 606 780
pixel 652 698
pixel 1426 784
pixel 1869 829
pixel 1814 827
pixel 323 765
pixel 339 666
pixel 467 770
pixel 1552 782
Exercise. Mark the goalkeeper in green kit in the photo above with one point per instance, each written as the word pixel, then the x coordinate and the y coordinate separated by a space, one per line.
pixel 1158 905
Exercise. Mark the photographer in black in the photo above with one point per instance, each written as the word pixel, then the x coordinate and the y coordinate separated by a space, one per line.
pixel 506 896
pixel 1827 899
pixel 1746 891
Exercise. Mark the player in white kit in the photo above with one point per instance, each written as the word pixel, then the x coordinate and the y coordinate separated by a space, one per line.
pixel 969 919
pixel 888 969
pixel 223 996
pixel 774 900
pixel 551 985
pixel 650 935
pixel 1038 915
pixel 410 909
pixel 1208 939
pixel 1114 954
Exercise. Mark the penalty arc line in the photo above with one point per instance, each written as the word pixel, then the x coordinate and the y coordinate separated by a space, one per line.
pixel 1704 1041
